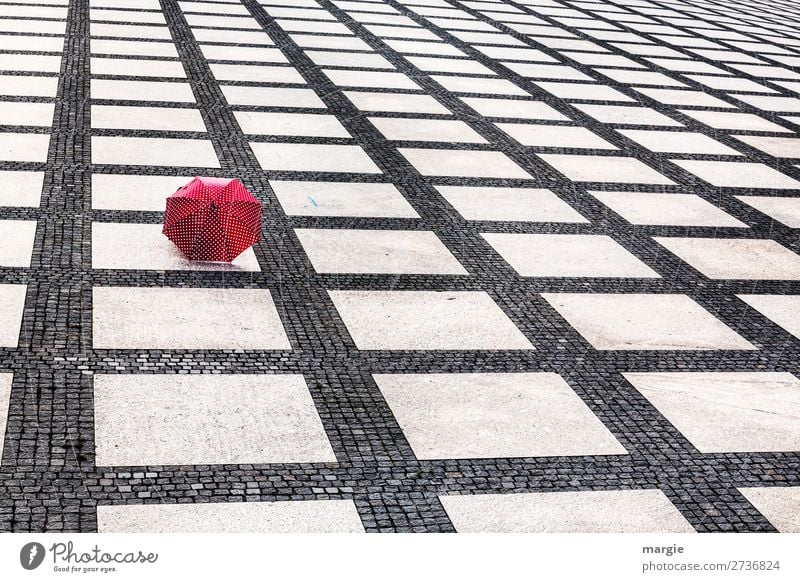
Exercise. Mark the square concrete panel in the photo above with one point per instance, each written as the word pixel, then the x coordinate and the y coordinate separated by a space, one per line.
pixel 395 102
pixel 213 8
pixel 421 47
pixel 514 108
pixel 348 78
pixel 683 98
pixel 138 68
pixel 769 72
pixel 351 60
pixel 555 136
pixel 462 163
pixel 605 60
pixel 784 210
pixel 439 65
pixel 21 188
pixel 401 32
pixel 738 174
pixel 300 157
pixel 783 310
pixel 656 208
pixel 726 258
pixel 440 130
pixel 330 42
pixel 766 103
pixel 148 151
pixel 24 147
pixel 299 9
pixel 583 91
pixel 256 74
pixel 478 416
pixel 732 84
pixel 33 63
pixel 126 16
pixel 32 25
pixel 623 115
pixel 290 124
pixel 142 91
pixel 780 147
pixel 186 318
pixel 640 78
pixel 780 505
pixel 125 4
pixel 638 321
pixel 427 320
pixel 12 303
pixel 26 114
pixel 512 53
pixel 725 412
pixel 206 419
pixel 509 204
pixel 378 251
pixel 312 11
pixel 342 199
pixel 734 120
pixel 604 169
pixel 5 397
pixel 243 53
pixel 272 97
pixel 16 242
pixel 148 118
pixel 131 192
pixel 133 48
pixel 484 86
pixel 19 43
pixel 139 31
pixel 20 86
pixel 231 36
pixel 567 255
pixel 317 516
pixel 634 511
pixel 538 71
pixel 205 21
pixel 682 142
pixel 311 26
pixel 143 246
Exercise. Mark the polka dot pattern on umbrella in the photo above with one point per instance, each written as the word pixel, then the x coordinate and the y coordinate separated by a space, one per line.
pixel 213 219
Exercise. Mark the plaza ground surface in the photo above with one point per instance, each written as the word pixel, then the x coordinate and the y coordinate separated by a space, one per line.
pixel 526 266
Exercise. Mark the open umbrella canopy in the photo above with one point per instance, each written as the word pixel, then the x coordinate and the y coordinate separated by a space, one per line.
pixel 213 219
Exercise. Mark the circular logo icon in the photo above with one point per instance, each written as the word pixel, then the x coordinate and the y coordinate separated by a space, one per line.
pixel 31 555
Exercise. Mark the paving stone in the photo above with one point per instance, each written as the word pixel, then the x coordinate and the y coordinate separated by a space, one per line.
pixel 131 318
pixel 12 301
pixel 376 251
pixel 566 512
pixel 447 416
pixel 325 516
pixel 426 320
pixel 144 246
pixel 727 411
pixel 567 255
pixel 206 419
pixel 644 322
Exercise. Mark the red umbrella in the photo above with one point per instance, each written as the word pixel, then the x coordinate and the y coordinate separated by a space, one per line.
pixel 213 219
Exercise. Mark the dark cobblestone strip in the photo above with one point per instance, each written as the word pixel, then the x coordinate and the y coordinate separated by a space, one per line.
pixel 50 420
